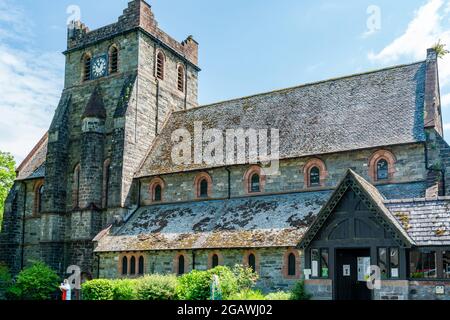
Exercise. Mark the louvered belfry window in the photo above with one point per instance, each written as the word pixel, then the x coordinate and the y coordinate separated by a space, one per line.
pixel 180 81
pixel 114 59
pixel 160 66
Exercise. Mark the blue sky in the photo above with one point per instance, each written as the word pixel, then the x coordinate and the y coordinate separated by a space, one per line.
pixel 246 47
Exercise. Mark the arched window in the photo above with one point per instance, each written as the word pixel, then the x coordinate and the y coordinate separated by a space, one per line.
pixel 160 61
pixel 255 185
pixel 292 262
pixel 315 173
pixel 215 261
pixel 204 188
pixel 106 178
pixel 382 165
pixel 382 170
pixel 314 177
pixel 113 59
pixel 76 187
pixel 133 265
pixel 141 265
pixel 156 189
pixel 180 82
pixel 124 266
pixel 38 192
pixel 87 67
pixel 39 198
pixel 181 269
pixel 254 180
pixel 157 193
pixel 203 185
pixel 252 261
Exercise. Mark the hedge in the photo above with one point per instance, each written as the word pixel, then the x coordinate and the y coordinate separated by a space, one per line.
pixel 235 284
pixel 98 289
pixel 157 287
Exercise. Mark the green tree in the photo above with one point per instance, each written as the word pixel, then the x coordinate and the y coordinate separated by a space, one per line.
pixel 7 176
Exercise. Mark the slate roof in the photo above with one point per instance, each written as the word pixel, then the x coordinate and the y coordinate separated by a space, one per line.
pixel 369 110
pixel 427 221
pixel 265 221
pixel 33 166
pixel 379 201
pixel 95 107
pixel 373 199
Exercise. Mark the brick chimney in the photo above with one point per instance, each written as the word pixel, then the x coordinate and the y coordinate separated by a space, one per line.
pixel 433 116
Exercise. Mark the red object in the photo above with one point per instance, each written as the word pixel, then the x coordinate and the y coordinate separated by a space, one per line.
pixel 64 295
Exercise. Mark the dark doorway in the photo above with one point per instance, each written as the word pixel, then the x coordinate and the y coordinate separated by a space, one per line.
pixel 348 285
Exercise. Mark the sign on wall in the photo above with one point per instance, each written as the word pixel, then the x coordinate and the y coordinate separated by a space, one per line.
pixel 346 270
pixel 363 268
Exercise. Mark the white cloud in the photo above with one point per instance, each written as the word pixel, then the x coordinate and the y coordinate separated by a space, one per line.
pixel 446 126
pixel 445 100
pixel 427 27
pixel 30 84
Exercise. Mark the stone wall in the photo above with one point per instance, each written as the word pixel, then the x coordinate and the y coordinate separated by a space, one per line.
pixel 138 14
pixel 438 152
pixel 426 290
pixel 392 290
pixel 320 289
pixel 12 227
pixel 270 264
pixel 410 167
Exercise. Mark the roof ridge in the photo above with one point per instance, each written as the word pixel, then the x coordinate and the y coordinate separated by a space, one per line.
pixel 308 84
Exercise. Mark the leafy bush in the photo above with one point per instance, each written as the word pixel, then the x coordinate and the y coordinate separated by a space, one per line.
pixel 37 282
pixel 245 277
pixel 299 292
pixel 5 280
pixel 98 289
pixel 125 289
pixel 157 287
pixel 280 295
pixel 13 293
pixel 247 295
pixel 192 286
pixel 196 285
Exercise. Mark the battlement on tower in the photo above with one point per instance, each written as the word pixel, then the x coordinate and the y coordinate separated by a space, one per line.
pixel 137 16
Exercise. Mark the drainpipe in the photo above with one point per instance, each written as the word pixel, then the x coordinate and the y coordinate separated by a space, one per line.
pixel 98 265
pixel 229 182
pixel 193 260
pixel 139 194
pixel 22 254
pixel 157 109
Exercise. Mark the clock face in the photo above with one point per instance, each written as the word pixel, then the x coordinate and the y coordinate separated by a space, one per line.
pixel 99 67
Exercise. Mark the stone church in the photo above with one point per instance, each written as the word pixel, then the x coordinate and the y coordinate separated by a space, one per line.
pixel 363 182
